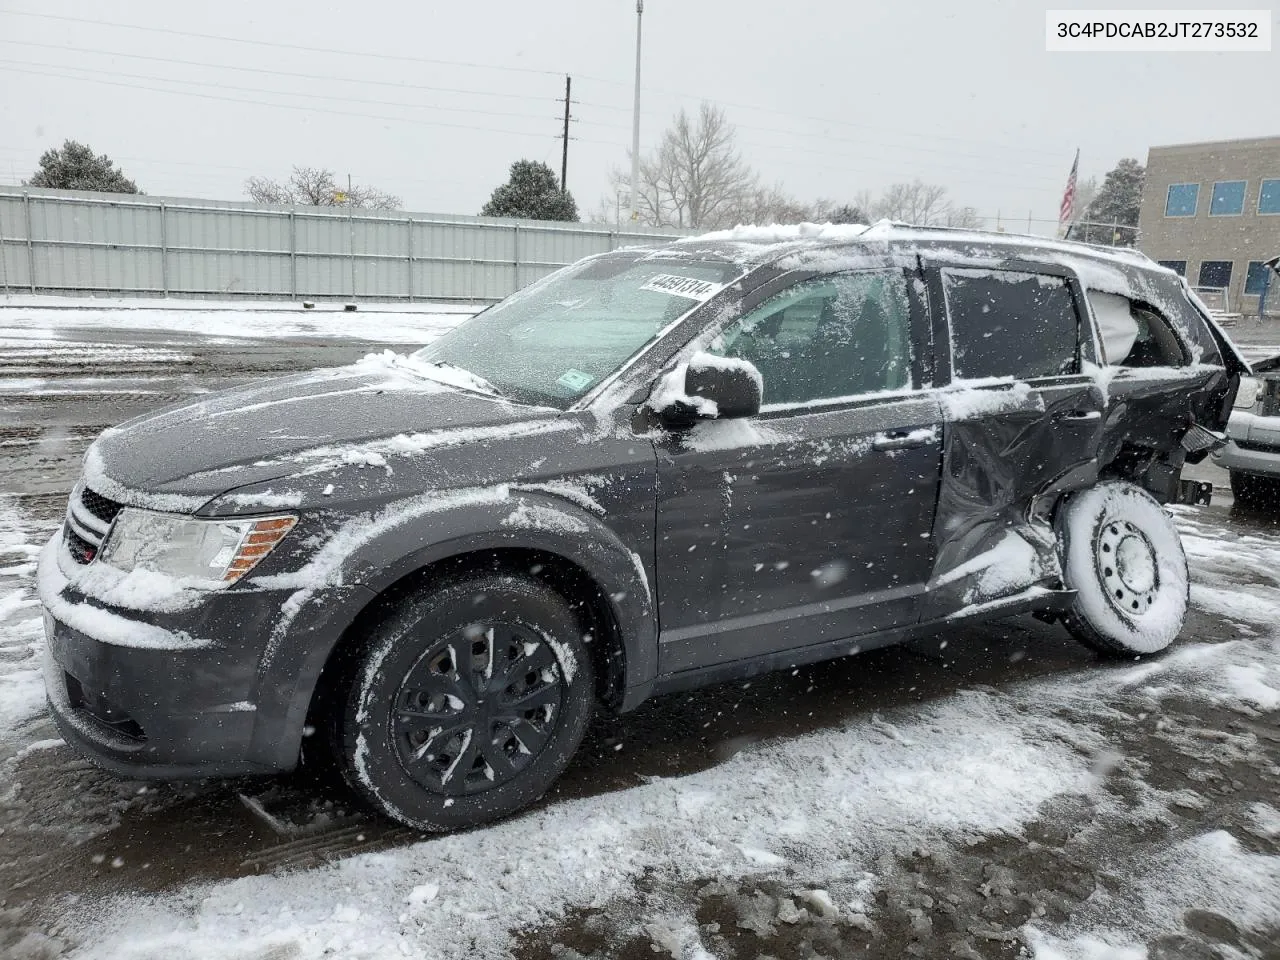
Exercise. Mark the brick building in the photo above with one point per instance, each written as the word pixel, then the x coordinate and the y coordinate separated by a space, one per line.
pixel 1212 212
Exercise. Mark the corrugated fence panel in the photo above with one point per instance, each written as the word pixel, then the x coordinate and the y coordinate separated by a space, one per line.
pixel 228 273
pixel 96 268
pixel 136 245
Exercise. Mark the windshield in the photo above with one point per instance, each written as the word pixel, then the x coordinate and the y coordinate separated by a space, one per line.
pixel 553 342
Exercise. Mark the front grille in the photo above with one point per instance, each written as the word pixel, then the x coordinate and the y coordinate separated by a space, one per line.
pixel 99 506
pixel 82 551
pixel 89 517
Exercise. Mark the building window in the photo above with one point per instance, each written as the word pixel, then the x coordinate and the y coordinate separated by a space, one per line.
pixel 1228 198
pixel 1269 197
pixel 1177 266
pixel 1215 273
pixel 1182 200
pixel 1256 279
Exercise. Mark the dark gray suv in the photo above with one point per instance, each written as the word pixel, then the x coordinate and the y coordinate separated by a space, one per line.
pixel 652 470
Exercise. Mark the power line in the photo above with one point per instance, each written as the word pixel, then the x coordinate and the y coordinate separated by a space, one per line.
pixel 277 73
pixel 413 106
pixel 283 93
pixel 281 106
pixel 280 46
pixel 471 64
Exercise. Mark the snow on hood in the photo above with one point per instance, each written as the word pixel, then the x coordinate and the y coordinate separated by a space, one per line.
pixel 379 408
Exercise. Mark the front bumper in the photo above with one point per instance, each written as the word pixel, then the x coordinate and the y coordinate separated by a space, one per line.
pixel 1248 459
pixel 191 693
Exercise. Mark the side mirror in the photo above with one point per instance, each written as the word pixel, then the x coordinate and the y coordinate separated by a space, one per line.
pixel 709 388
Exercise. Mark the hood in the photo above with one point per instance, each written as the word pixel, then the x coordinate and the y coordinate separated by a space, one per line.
pixel 272 429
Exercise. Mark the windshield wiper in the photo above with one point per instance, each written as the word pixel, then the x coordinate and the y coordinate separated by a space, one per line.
pixel 465 379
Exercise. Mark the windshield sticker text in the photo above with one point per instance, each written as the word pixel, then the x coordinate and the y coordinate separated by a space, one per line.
pixel 688 287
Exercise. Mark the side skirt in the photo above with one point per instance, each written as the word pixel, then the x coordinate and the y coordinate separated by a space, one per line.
pixel 1038 600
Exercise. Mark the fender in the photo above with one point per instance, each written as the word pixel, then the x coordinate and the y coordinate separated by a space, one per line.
pixel 367 555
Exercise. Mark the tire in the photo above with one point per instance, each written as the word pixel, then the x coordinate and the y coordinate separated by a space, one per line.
pixel 441 739
pixel 1122 555
pixel 1253 491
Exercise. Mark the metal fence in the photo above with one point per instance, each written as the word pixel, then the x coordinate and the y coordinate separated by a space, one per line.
pixel 76 243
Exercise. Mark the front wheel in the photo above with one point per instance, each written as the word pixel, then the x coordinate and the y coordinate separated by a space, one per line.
pixel 467 702
pixel 1122 555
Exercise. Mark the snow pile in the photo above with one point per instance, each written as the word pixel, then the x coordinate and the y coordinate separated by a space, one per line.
pixel 382 323
pixel 785 233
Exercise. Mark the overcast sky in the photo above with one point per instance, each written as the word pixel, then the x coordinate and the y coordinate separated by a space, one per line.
pixel 829 98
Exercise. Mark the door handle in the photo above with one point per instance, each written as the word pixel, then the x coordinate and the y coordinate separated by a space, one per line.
pixel 902 439
pixel 1081 415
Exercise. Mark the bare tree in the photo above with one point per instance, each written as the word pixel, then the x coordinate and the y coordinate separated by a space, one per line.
pixel 770 205
pixel 962 217
pixel 922 204
pixel 316 187
pixel 696 177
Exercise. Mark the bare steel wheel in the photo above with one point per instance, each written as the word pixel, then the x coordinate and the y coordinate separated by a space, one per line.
pixel 466 702
pixel 1126 562
pixel 1122 556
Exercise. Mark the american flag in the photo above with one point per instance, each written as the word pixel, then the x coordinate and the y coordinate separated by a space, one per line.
pixel 1066 212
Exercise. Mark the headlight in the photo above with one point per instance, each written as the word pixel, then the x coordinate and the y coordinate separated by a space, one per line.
pixel 1248 392
pixel 221 551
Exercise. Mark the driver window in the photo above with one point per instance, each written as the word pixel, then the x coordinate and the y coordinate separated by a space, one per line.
pixel 828 337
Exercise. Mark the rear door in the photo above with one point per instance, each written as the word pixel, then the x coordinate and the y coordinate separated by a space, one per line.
pixel 1021 415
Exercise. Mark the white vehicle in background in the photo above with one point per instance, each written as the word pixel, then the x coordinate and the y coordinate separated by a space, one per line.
pixel 1252 453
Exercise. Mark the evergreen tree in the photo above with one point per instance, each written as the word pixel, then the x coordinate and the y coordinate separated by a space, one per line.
pixel 1118 201
pixel 532 192
pixel 76 167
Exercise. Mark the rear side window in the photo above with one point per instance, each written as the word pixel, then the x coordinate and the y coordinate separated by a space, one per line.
pixel 1005 323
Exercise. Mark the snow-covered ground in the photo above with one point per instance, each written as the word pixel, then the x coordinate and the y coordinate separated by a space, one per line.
pixel 993 790
pixel 824 818
pixel 27 321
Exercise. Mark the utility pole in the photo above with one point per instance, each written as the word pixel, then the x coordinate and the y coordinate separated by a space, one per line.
pixel 564 151
pixel 351 231
pixel 635 125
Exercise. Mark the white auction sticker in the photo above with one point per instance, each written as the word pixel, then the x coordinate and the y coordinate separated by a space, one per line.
pixel 689 287
pixel 1156 31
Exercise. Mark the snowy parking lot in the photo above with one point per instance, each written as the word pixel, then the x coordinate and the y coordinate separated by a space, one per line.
pixel 998 792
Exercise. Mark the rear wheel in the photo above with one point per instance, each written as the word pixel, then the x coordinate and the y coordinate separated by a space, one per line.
pixel 467 702
pixel 1254 491
pixel 1122 555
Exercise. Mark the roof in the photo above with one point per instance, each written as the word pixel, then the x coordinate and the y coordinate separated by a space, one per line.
pixel 758 245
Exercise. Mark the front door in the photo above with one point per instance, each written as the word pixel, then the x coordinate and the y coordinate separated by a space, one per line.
pixel 811 521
